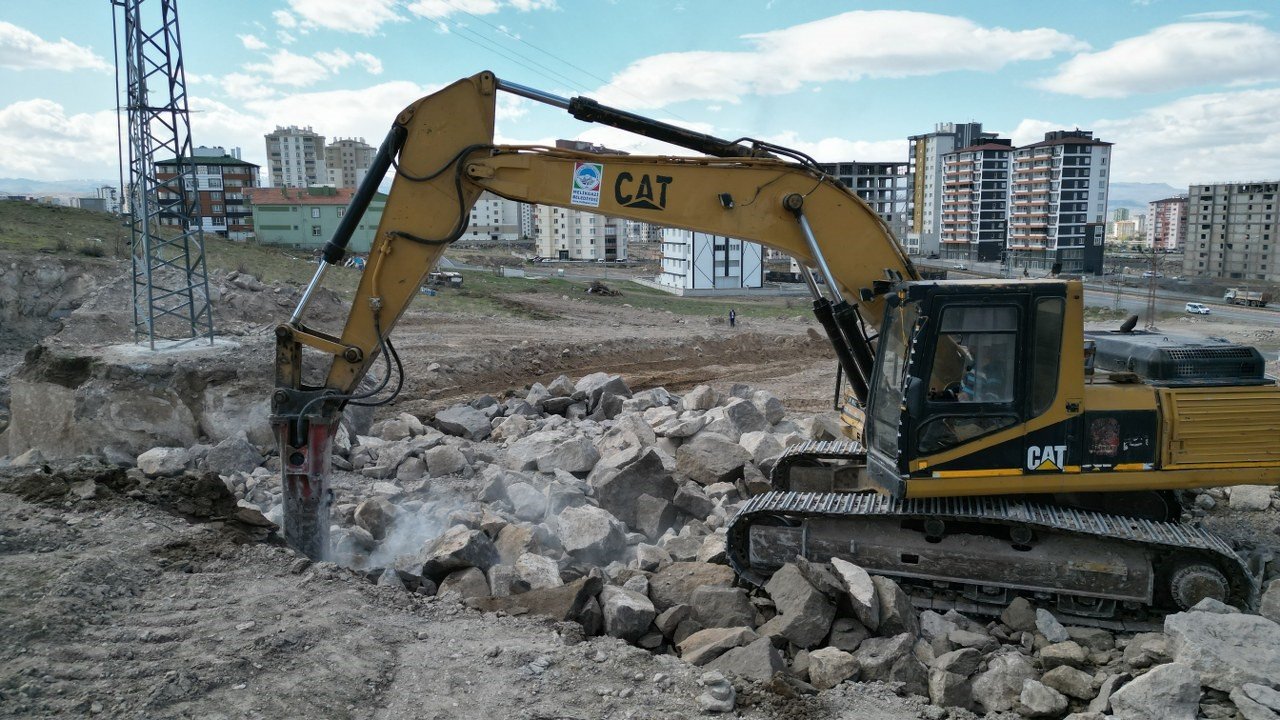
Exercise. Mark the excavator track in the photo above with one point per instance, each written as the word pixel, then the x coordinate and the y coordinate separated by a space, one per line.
pixel 977 554
pixel 813 452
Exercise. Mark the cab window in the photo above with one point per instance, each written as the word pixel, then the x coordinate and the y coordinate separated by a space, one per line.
pixel 973 376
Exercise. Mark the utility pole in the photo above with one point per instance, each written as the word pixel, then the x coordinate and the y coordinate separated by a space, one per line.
pixel 170 282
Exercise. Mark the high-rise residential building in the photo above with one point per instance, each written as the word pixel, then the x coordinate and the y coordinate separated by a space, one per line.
pixel 1058 204
pixel 110 195
pixel 295 157
pixel 885 186
pixel 975 201
pixel 565 234
pixel 1231 231
pixel 1168 223
pixel 221 182
pixel 1120 214
pixel 699 261
pixel 924 166
pixel 346 161
pixel 493 220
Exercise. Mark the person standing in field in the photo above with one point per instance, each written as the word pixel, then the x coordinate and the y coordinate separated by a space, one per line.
pixel 733 317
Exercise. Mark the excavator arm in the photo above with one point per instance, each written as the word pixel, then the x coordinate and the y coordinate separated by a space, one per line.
pixel 444 157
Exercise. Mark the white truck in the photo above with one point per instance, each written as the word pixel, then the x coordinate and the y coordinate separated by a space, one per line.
pixel 1242 296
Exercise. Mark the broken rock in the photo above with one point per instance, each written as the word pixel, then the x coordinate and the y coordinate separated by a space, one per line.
pixel 704 646
pixel 464 421
pixel 711 458
pixel 676 583
pixel 828 667
pixel 562 603
pixel 1038 700
pixel 627 614
pixel 590 534
pixel 719 607
pixel 758 660
pixel 861 591
pixel 1227 650
pixel 459 547
pixel 1166 692
pixel 999 687
pixel 805 613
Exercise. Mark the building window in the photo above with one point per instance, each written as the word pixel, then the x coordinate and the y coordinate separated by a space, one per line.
pixel 315 231
pixel 315 213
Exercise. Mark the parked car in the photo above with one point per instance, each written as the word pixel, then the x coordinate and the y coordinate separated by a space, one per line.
pixel 959 266
pixel 1197 308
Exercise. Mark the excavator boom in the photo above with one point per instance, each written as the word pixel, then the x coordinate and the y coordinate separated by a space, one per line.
pixel 444 157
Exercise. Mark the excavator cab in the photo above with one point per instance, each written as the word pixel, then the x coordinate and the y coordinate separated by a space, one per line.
pixel 962 369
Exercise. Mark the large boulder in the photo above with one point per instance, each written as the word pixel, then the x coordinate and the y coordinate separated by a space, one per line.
pixel 459 547
pixel 627 614
pixel 828 667
pixel 464 421
pixel 1269 608
pixel 704 646
pixel 444 460
pixel 897 615
pixel 561 603
pixel 711 458
pixel 676 583
pixel 758 660
pixel 718 606
pixel 235 454
pixel 804 612
pixel 861 592
pixel 701 397
pixel 376 515
pixel 576 454
pixel 1227 650
pixel 998 688
pixel 590 534
pixel 1166 692
pixel 892 660
pixel 618 490
pixel 1039 700
pixel 164 461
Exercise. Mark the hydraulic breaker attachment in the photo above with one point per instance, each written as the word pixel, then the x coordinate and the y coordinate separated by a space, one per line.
pixel 304 471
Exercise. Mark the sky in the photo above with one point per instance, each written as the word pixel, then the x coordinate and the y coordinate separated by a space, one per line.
pixel 1189 92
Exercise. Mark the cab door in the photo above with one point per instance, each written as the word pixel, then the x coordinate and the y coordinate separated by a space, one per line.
pixel 969 381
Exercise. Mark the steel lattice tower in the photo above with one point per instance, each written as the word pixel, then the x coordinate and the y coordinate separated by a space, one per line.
pixel 170 282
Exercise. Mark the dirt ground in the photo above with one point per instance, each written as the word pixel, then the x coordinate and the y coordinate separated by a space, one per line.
pixel 133 599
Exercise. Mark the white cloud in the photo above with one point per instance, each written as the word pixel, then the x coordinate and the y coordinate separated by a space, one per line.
pixel 443 9
pixel 1032 130
pixel 1201 138
pixel 372 64
pixel 285 19
pixel 1172 57
pixel 286 68
pixel 335 60
pixel 1227 15
pixel 48 144
pixel 835 149
pixel 251 42
pixel 285 37
pixel 363 17
pixel 245 87
pixel 845 47
pixel 21 49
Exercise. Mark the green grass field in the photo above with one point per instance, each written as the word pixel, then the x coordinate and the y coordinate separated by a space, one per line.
pixel 74 233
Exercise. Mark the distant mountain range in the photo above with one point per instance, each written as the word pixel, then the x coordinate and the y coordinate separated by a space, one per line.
pixel 1135 196
pixel 27 186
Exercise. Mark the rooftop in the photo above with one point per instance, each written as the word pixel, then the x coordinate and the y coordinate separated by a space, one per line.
pixel 303 196
pixel 209 160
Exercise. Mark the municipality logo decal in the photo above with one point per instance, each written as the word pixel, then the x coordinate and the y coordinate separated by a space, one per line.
pixel 587 178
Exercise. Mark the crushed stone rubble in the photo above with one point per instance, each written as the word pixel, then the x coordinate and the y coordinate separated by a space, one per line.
pixel 604 512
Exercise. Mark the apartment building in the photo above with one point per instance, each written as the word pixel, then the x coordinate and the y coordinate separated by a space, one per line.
pixel 1166 224
pixel 494 220
pixel 699 261
pixel 885 186
pixel 221 180
pixel 296 157
pixel 565 234
pixel 975 202
pixel 307 217
pixel 346 161
pixel 924 168
pixel 1058 202
pixel 1231 231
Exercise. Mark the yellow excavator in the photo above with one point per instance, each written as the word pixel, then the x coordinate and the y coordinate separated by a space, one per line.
pixel 992 450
